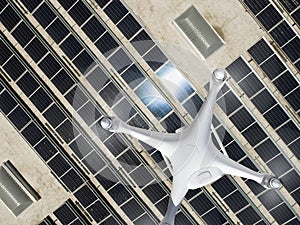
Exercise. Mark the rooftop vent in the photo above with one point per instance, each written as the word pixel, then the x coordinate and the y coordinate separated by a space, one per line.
pixel 198 32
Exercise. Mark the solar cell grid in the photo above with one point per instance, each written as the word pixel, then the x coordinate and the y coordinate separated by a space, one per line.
pixel 229 103
pixel 124 110
pixel 93 28
pixel 267 150
pixel 76 97
pixel 269 17
pixel 49 65
pixel 145 219
pixel 270 199
pixel 80 13
pixel 83 62
pixel 236 201
pixel 276 116
pixel 22 34
pixel 93 162
pixel 36 49
pixel 142 42
pixel 129 26
pixel 71 46
pixel 106 44
pixel 31 5
pixel 45 149
pixel 172 123
pixel 273 67
pixel 57 30
pixel 72 180
pixel 155 58
pixel 260 51
pixel 85 196
pixel 41 99
pixel 67 131
pixel 65 214
pixel 119 193
pixel 120 60
pixel 14 68
pixel 32 133
pixel 282 213
pixel 282 33
pixel 59 165
pixel 288 132
pixel 111 94
pixel 254 134
pixel 264 101
pixel 285 83
pixel 115 10
pixel 242 119
pixel 279 165
pixel 97 78
pixel 291 49
pixel 7 102
pixel 44 15
pixel 62 81
pixel 19 117
pixel 289 5
pixel 257 5
pixel 98 211
pixel 107 178
pixel 115 144
pixel 54 115
pixel 296 16
pixel 141 175
pixel 248 216
pixel 238 69
pixel 214 217
pixel 9 18
pixel 5 53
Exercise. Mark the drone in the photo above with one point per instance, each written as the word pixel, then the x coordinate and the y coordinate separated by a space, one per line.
pixel 192 157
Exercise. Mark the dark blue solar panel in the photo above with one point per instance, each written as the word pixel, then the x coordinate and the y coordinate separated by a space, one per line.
pixel 248 216
pixel 276 116
pixel 67 131
pixel 111 94
pixel 221 183
pixel 85 196
pixel 128 160
pixel 282 213
pixel 249 164
pixel 19 117
pixel 138 121
pixel 44 15
pixel 172 123
pixel 32 133
pixel 62 81
pixel 9 18
pixel 65 214
pixel 234 151
pixel 93 28
pixel 264 101
pixel 142 42
pixel 102 3
pixel 267 150
pixel 5 53
pixel 288 132
pixel 285 83
pixel 45 149
pixel 214 217
pixel 269 17
pixel 270 199
pixel 291 180
pixel 257 5
pixel 238 69
pixel 7 102
pixel 94 162
pixel 279 165
pixel 254 134
pixel 28 84
pixel 54 115
pixel 229 103
pixel 89 113
pixel 31 5
pixel 59 165
pixel 57 30
pixel 115 10
pixel 296 16
pixel 22 34
pixel 154 192
pixel 80 13
pixel 184 219
pixel 193 105
pixel 106 44
pixel 67 3
pixel 107 178
pixel 260 51
pixel 132 209
pixel 119 194
pixel 14 68
pixel 251 85
pixel 290 5
pixel 295 146
pixel 133 76
pixel 120 61
pixel 49 66
pixel 84 62
pixel 36 49
pixel 155 58
pixel 273 67
pixel 71 46
pixel 41 99
pixel 76 97
pixel 97 211
pixel 141 175
pixel 201 204
pixel 80 147
pixel 97 78
pixel 242 119
pixel 129 26
pixel 282 33
pixel 72 180
pixel 115 144
pixel 292 49
pixel 236 201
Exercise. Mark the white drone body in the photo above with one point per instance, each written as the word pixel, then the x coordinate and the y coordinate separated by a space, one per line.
pixel 193 159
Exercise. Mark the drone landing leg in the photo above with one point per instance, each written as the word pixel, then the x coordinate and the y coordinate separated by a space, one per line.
pixel 170 214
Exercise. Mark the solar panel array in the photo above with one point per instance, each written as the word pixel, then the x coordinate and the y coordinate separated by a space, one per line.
pixel 73 44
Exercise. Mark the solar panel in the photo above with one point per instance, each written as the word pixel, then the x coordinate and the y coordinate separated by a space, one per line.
pixel 120 60
pixel 59 165
pixel 76 97
pixel 145 219
pixel 14 68
pixel 85 196
pixel 19 117
pixel 115 10
pixel 141 175
pixel 94 162
pixel 285 83
pixel 31 5
pixel 214 217
pixel 89 113
pixel 242 119
pixel 115 144
pixel 282 33
pixel 250 215
pixel 288 132
pixel 57 30
pixel 289 5
pixel 172 123
pixel 97 211
pixel 22 34
pixel 267 150
pixel 129 160
pixel 65 214
pixel 36 49
pixel 229 103
pixel 7 102
pixel 84 61
pixel 236 201
pixel 41 99
pixel 129 26
pixel 111 94
pixel 71 46
pixel 45 149
pixel 142 42
pixel 296 16
pixel 295 147
pixel 273 67
pixel 62 81
pixel 67 131
pixel 5 53
pixel 269 17
pixel 44 15
pixel 254 134
pixel 257 5
pixel 234 151
pixel 291 49
pixel 155 58
pixel 80 13
pixel 80 147
pixel 124 110
pixel 279 165
pixel 251 85
pixel 119 194
pixel 282 214
pixel 276 116
pixel 32 133
pixel 260 51
pixel 72 180
pixel 97 78
pixel 9 18
pixel 291 180
pixel 49 66
pixel 263 101
pixel 107 178
pixel 54 115
pixel 106 44
pixel 93 28
pixel 132 209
